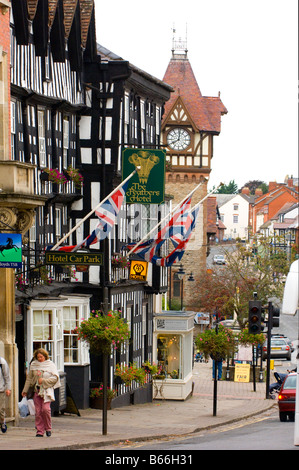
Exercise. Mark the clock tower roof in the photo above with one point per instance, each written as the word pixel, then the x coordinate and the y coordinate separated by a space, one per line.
pixel 205 111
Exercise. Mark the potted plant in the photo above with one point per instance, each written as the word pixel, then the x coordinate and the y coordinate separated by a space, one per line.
pixel 96 397
pixel 152 369
pixel 102 332
pixel 174 374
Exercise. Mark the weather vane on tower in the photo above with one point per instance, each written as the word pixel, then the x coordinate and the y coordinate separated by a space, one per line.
pixel 179 45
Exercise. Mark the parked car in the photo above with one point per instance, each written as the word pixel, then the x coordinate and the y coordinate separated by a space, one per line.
pixel 279 349
pixel 287 398
pixel 278 335
pixel 232 324
pixel 219 259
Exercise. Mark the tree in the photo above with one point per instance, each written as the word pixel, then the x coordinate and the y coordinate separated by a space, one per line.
pixel 230 188
pixel 254 184
pixel 228 289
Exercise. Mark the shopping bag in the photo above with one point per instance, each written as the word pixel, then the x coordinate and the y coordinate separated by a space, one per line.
pixel 31 407
pixel 23 407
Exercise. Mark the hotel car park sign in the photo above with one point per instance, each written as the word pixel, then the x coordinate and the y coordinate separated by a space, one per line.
pixel 63 258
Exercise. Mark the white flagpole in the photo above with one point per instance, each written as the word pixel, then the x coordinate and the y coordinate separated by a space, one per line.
pixel 173 210
pixel 93 210
pixel 201 201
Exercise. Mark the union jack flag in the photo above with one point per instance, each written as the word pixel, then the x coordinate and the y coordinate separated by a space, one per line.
pixel 107 214
pixel 179 250
pixel 178 230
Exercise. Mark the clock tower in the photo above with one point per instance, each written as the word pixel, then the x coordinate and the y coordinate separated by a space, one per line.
pixel 189 125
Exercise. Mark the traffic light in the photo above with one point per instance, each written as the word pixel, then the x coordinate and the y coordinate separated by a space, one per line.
pixel 274 314
pixel 255 317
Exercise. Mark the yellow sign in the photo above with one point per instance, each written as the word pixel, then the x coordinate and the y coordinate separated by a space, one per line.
pixel 138 270
pixel 242 372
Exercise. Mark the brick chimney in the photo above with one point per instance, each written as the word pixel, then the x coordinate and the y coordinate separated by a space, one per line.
pixel 290 182
pixel 272 185
pixel 258 192
pixel 245 190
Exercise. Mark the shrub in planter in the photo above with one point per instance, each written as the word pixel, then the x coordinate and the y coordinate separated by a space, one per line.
pixel 131 372
pixel 96 397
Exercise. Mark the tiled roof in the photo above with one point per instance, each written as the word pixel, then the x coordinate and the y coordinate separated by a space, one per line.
pixel 205 111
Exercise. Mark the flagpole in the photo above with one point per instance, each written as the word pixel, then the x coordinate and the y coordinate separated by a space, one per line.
pixel 200 202
pixel 93 210
pixel 173 210
pixel 166 217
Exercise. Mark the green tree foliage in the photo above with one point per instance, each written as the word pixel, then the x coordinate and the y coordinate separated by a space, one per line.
pixel 254 184
pixel 230 188
pixel 229 288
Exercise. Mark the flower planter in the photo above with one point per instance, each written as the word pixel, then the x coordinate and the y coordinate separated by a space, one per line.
pixel 97 403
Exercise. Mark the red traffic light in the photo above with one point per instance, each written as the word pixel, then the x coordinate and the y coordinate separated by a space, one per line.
pixel 254 317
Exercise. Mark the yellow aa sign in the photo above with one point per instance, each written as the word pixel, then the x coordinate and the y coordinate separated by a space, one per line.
pixel 138 270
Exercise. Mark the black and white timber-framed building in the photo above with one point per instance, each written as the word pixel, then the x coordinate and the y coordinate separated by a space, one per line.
pixel 74 103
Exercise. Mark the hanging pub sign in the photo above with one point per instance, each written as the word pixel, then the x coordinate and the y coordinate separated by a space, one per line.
pixel 147 186
pixel 65 258
pixel 10 250
pixel 138 270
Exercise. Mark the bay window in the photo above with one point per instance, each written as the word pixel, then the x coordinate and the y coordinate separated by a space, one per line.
pixel 52 326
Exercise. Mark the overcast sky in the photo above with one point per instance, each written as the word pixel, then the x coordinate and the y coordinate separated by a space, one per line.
pixel 247 50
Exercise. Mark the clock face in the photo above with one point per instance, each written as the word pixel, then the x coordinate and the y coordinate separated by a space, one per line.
pixel 178 139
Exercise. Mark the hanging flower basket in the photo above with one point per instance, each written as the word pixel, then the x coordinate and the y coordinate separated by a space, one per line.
pixel 102 332
pixel 119 261
pixel 54 176
pixel 75 176
pixel 218 345
pixel 246 338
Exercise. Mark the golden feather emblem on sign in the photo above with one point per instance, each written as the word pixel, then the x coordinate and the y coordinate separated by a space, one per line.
pixel 146 161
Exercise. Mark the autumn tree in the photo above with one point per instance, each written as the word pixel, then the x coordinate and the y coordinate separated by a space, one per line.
pixel 227 289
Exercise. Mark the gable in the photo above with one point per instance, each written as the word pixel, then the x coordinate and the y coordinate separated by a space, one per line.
pixel 178 115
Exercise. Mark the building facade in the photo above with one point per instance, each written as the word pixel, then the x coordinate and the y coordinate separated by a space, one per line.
pixel 190 123
pixel 74 107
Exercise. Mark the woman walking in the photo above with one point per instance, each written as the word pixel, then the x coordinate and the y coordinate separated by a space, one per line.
pixel 43 377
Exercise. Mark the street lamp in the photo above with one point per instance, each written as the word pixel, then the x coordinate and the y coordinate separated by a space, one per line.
pixel 181 273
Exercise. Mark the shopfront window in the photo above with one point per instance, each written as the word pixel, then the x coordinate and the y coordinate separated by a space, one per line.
pixel 169 354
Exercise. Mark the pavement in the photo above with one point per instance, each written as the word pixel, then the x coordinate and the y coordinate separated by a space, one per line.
pixel 157 420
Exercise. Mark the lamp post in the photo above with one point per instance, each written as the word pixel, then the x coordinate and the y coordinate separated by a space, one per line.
pixel 181 274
